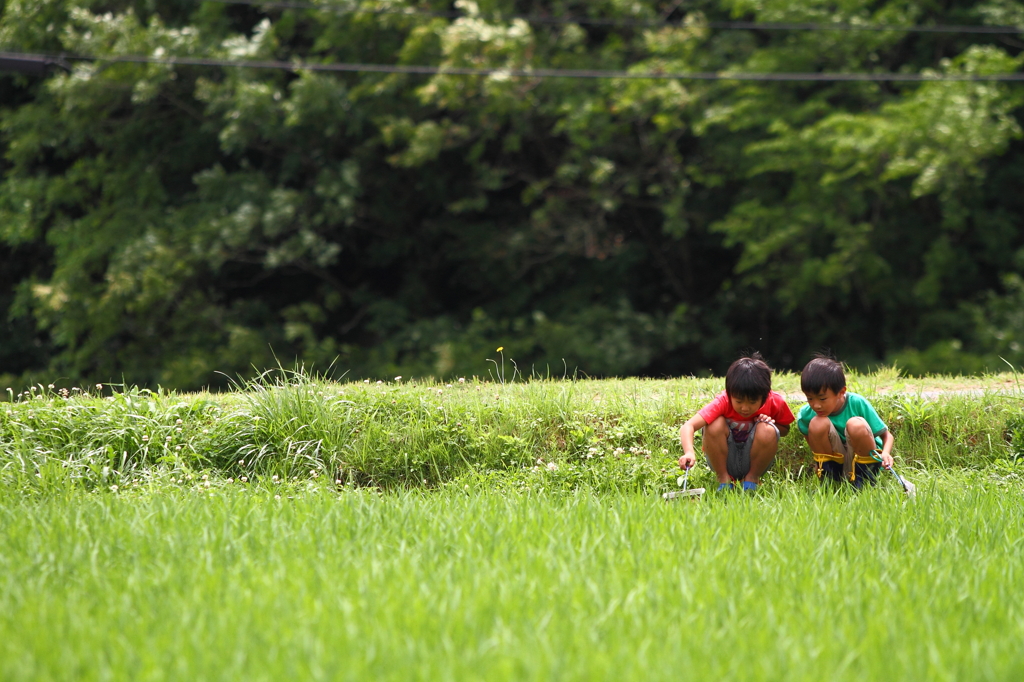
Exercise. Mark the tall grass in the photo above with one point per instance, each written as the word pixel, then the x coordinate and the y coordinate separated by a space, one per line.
pixel 619 434
pixel 798 585
pixel 301 528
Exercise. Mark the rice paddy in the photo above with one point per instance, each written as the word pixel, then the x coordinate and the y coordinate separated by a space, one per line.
pixel 339 559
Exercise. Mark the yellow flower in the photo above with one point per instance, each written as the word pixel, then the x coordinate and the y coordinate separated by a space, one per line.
pixel 500 348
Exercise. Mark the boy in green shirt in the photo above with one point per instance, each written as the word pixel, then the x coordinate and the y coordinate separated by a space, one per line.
pixel 842 428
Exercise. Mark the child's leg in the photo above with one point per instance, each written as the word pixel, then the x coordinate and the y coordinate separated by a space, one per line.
pixel 833 471
pixel 859 436
pixel 715 444
pixel 867 474
pixel 819 436
pixel 762 450
pixel 823 439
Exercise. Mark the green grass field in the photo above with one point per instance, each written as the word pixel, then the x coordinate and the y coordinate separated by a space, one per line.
pixel 482 585
pixel 395 545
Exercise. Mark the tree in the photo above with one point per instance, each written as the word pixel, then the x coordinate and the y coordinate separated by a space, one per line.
pixel 176 221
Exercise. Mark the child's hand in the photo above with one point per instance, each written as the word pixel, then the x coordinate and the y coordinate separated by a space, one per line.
pixel 887 460
pixel 764 419
pixel 687 461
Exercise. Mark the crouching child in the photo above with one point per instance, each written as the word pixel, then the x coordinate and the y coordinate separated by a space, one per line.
pixel 847 437
pixel 742 426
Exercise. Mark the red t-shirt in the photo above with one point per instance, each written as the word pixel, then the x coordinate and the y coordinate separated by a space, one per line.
pixel 774 406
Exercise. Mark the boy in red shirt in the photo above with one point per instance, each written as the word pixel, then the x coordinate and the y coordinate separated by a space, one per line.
pixel 742 426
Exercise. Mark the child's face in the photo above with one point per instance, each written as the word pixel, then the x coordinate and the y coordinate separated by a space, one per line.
pixel 826 401
pixel 745 406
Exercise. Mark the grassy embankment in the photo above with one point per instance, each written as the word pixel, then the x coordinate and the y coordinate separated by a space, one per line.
pixel 606 435
pixel 493 569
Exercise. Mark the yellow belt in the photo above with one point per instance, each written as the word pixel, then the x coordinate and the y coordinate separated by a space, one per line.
pixel 839 457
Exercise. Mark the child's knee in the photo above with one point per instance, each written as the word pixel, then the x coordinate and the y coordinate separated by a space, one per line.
pixel 765 435
pixel 819 426
pixel 857 427
pixel 716 432
pixel 719 427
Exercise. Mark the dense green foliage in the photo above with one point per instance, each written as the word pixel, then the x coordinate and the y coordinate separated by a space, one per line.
pixel 479 585
pixel 161 223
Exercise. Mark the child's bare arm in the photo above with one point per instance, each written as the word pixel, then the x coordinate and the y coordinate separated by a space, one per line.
pixel 887 442
pixel 686 432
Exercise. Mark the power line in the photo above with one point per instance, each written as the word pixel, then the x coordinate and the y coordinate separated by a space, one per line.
pixel 26 63
pixel 593 74
pixel 722 25
pixel 924 28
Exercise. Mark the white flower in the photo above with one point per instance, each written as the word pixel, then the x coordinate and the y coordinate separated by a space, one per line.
pixel 462 380
pixel 552 466
pixel 398 378
pixel 244 479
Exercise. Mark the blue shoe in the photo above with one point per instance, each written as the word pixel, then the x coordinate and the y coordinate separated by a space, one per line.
pixel 725 486
pixel 749 485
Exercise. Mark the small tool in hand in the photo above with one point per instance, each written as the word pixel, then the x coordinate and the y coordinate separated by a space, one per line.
pixel 687 492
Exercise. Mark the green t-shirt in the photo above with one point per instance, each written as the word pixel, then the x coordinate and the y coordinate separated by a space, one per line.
pixel 856 406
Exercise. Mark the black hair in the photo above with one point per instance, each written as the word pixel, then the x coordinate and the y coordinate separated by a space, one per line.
pixel 749 377
pixel 824 371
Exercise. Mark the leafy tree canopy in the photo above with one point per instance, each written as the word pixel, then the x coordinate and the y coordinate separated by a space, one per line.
pixel 175 224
